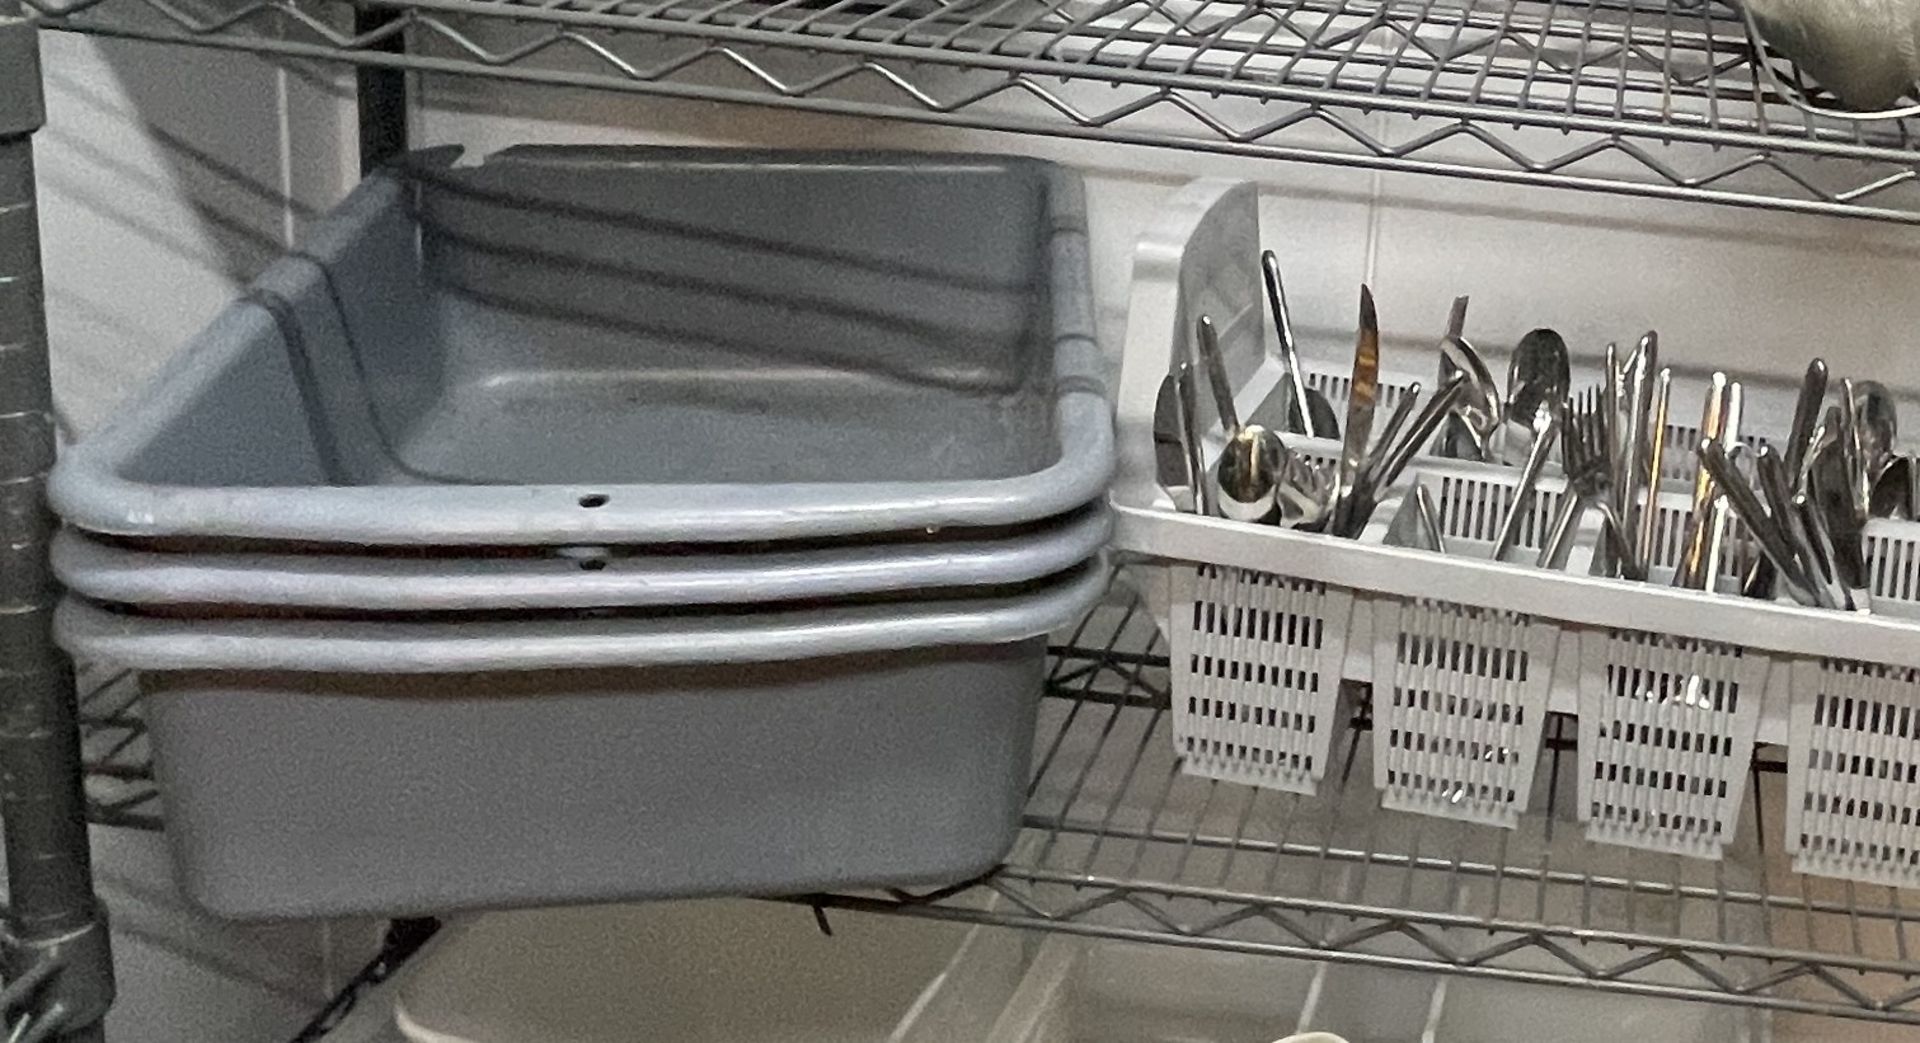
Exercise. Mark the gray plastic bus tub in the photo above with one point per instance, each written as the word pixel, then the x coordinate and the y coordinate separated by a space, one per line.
pixel 628 345
pixel 320 769
pixel 575 578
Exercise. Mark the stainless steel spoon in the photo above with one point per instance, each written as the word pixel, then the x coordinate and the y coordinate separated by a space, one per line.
pixel 1248 472
pixel 1892 495
pixel 1247 475
pixel 1537 373
pixel 1325 422
pixel 1879 428
pixel 1547 418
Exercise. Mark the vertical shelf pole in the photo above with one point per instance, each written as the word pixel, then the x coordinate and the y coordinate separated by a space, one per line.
pixel 55 939
pixel 382 94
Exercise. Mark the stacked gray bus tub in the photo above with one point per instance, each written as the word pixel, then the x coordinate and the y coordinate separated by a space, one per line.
pixel 602 523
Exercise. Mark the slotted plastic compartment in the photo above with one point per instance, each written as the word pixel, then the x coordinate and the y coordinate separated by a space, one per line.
pixel 1854 771
pixel 1459 703
pixel 1256 666
pixel 1460 692
pixel 1893 566
pixel 1853 780
pixel 1667 730
pixel 1668 723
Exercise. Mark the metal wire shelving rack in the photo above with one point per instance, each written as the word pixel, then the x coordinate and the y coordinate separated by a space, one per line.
pixel 1667 100
pixel 1119 844
pixel 1626 96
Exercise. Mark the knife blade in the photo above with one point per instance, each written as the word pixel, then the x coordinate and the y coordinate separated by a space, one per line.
pixel 1170 445
pixel 1363 395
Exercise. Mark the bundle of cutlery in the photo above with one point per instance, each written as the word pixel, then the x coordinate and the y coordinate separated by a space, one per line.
pixel 1765 518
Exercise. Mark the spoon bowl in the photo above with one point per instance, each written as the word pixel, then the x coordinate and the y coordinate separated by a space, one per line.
pixel 1537 374
pixel 1248 474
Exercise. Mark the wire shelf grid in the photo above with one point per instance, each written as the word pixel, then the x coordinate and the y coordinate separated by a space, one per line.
pixel 1668 100
pixel 1120 844
pixel 114 754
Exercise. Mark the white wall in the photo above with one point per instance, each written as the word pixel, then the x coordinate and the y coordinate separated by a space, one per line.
pixel 168 177
pixel 1742 289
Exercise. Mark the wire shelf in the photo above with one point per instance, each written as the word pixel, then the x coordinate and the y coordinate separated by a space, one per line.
pixel 1120 844
pixel 114 753
pixel 1668 100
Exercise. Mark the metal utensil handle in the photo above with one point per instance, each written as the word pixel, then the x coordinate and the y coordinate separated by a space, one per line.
pixel 1746 503
pixel 1559 542
pixel 1283 328
pixel 1216 366
pixel 1693 555
pixel 1815 520
pixel 1529 477
pixel 1189 399
pixel 1806 416
pixel 1396 458
pixel 1610 413
pixel 1656 462
pixel 1771 470
pixel 1403 411
pixel 1731 416
pixel 1639 399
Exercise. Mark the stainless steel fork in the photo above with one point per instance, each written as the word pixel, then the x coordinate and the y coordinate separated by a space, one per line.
pixel 1586 451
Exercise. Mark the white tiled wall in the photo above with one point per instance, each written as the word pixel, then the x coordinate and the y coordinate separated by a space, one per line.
pixel 168 177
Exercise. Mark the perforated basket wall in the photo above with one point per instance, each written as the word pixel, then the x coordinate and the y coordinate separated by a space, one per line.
pixel 1460 692
pixel 1893 566
pixel 1459 704
pixel 1853 777
pixel 1256 662
pixel 1667 728
pixel 1471 503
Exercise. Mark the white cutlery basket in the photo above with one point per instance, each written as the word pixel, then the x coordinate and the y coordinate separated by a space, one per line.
pixel 1673 688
